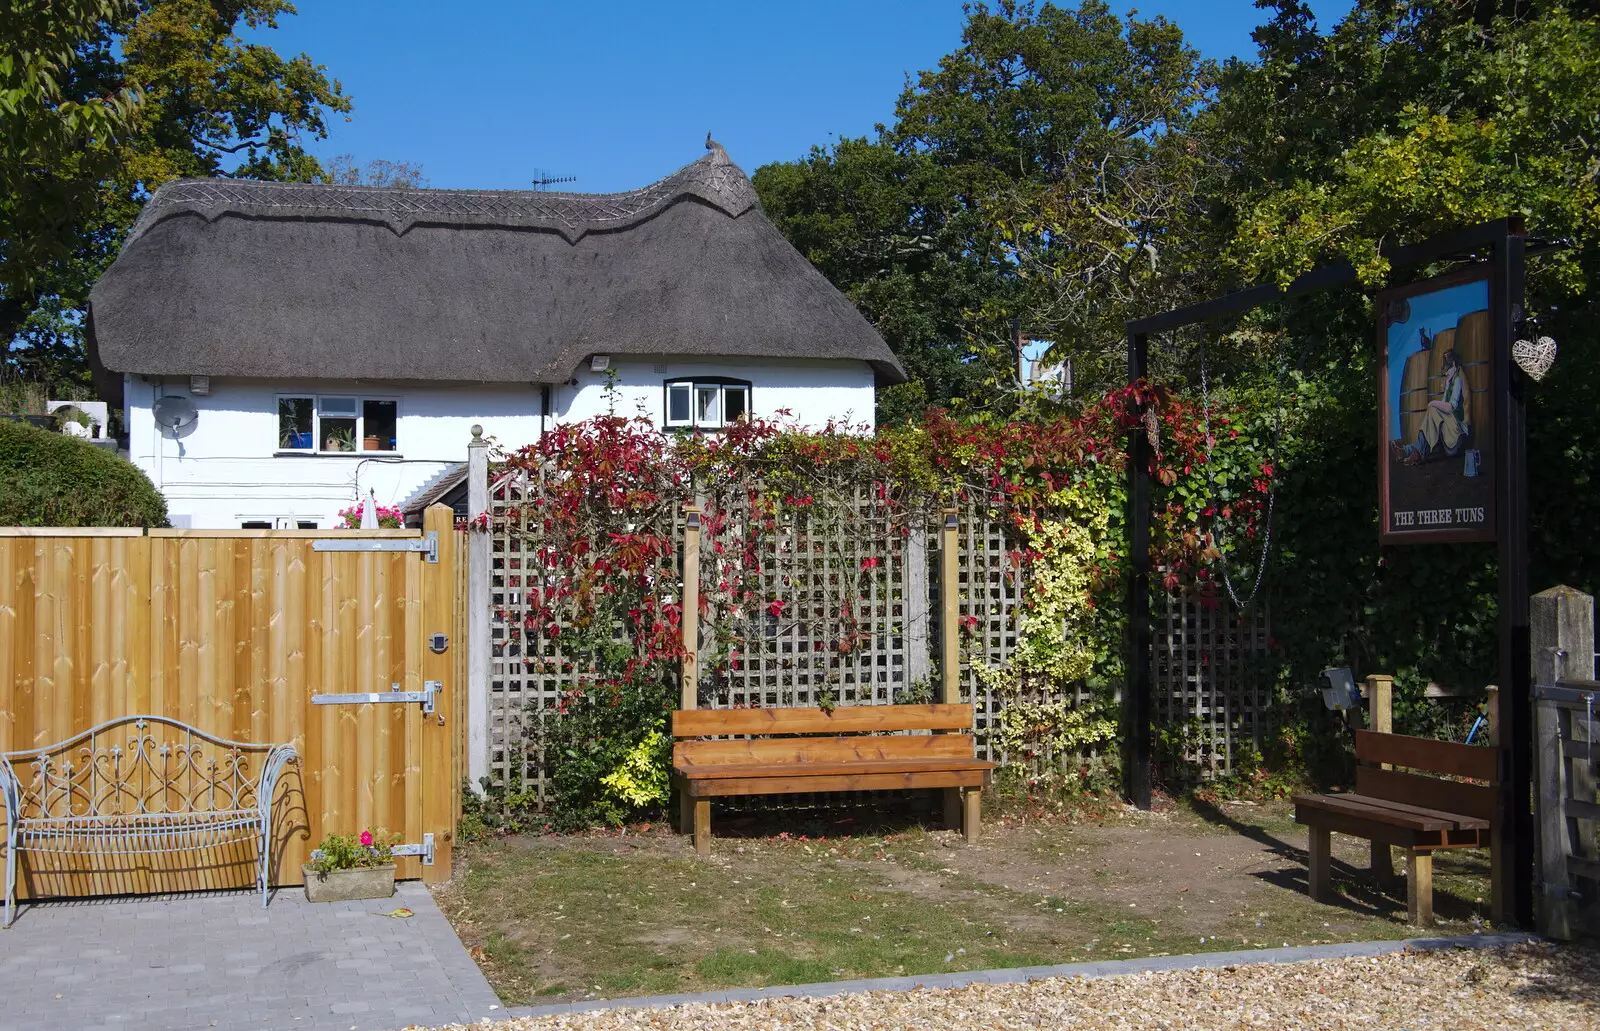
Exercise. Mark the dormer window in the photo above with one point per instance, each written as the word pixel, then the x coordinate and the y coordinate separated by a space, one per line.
pixel 706 402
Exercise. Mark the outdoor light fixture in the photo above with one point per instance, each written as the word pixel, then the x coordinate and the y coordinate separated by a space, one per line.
pixel 1339 689
pixel 200 385
pixel 600 363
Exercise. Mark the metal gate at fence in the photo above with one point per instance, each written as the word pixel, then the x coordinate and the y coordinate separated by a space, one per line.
pixel 345 644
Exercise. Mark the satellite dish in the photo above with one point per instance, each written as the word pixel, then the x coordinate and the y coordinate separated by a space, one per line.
pixel 174 414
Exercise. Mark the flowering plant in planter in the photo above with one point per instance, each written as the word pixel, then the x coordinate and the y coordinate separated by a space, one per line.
pixel 351 866
pixel 390 517
pixel 353 852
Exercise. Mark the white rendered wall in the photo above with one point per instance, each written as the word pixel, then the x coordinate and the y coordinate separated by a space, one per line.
pixel 814 391
pixel 224 471
pixel 228 470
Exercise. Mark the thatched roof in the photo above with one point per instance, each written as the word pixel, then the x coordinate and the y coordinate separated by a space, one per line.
pixel 229 277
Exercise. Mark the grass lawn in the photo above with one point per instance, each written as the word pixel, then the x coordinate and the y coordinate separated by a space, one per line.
pixel 569 917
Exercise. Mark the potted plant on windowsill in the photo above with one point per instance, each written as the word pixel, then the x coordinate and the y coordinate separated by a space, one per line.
pixel 350 866
pixel 341 439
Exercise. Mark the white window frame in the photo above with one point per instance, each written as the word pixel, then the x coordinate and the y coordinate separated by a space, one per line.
pixel 317 439
pixel 694 385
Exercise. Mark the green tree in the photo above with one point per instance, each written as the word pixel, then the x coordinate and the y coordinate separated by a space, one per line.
pixel 132 95
pixel 882 226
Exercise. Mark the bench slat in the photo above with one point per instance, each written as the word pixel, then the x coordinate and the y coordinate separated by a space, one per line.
pixel 811 720
pixel 1471 800
pixel 1422 753
pixel 822 769
pixel 1458 821
pixel 771 750
pixel 1353 805
pixel 1360 827
pixel 783 785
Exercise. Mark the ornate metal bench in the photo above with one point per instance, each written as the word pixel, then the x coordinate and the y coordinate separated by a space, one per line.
pixel 140 785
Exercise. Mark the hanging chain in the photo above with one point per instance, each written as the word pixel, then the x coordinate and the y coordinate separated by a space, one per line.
pixel 1272 482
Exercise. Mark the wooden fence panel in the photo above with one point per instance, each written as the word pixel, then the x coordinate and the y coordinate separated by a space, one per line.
pixel 234 632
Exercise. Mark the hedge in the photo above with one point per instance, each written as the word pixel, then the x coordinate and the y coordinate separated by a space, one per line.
pixel 50 479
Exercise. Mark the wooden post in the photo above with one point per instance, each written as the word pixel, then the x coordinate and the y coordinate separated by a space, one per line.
pixel 1419 887
pixel 439 786
pixel 1511 535
pixel 1380 704
pixel 479 647
pixel 1136 699
pixel 1380 719
pixel 1499 901
pixel 915 571
pixel 950 635
pixel 1562 638
pixel 689 685
pixel 1319 869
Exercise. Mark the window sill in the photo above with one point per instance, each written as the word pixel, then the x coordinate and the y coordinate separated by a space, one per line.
pixel 291 453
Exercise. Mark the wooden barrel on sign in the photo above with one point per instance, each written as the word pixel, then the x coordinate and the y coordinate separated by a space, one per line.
pixel 1474 345
pixel 1443 341
pixel 1413 396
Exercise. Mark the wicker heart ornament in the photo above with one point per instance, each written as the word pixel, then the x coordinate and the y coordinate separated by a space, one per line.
pixel 1534 356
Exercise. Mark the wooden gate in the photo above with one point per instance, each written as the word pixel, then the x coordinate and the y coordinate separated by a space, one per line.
pixel 235 632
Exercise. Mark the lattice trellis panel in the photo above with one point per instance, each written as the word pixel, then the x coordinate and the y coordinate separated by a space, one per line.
pixel 814 563
pixel 1206 689
pixel 831 618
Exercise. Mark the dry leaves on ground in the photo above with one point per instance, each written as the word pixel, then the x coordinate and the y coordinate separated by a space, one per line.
pixel 1526 986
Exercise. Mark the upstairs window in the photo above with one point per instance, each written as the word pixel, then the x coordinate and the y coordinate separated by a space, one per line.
pixel 337 424
pixel 707 403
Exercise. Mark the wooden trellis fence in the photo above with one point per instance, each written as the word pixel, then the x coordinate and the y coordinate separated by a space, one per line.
pixel 813 565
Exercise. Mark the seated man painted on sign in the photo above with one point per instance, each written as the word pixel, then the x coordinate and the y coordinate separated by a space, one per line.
pixel 1445 422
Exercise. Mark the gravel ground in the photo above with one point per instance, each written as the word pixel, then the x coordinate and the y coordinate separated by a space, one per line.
pixel 1526 986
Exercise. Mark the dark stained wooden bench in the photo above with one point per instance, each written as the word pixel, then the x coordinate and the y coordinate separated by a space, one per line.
pixel 1421 812
pixel 726 752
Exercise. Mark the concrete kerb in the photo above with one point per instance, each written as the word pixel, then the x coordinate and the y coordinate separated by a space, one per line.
pixel 1022 975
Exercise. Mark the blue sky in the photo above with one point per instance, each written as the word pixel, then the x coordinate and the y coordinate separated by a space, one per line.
pixel 619 94
pixel 1441 309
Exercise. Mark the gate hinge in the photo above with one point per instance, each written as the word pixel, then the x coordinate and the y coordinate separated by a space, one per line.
pixel 424 850
pixel 428 696
pixel 428 544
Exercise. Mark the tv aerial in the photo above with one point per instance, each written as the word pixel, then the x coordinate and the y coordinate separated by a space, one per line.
pixel 543 180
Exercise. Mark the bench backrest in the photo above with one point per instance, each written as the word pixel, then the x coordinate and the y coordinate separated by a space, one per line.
pixel 1435 760
pixel 754 736
pixel 139 765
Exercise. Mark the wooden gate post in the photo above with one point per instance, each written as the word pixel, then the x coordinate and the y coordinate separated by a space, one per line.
pixel 479 647
pixel 950 636
pixel 1380 719
pixel 438 736
pixel 1562 644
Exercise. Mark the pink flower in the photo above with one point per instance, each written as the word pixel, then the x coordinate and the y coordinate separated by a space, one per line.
pixel 366 837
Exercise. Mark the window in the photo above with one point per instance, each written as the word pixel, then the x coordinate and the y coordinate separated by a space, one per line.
pixel 333 424
pixel 709 403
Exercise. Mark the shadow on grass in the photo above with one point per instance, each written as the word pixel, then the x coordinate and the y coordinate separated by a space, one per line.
pixel 1360 894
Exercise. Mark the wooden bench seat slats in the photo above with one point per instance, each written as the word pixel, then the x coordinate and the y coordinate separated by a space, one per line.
pixel 1420 753
pixel 842 720
pixel 1472 800
pixel 777 783
pixel 822 769
pixel 1350 805
pixel 1458 821
pixel 725 752
pixel 690 754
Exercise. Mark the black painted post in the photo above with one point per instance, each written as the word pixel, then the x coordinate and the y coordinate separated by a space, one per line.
pixel 1136 695
pixel 1511 506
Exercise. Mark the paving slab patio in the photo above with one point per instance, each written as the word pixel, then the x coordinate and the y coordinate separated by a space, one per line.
pixel 218 960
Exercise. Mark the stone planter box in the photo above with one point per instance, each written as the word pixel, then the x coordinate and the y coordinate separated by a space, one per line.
pixel 372 882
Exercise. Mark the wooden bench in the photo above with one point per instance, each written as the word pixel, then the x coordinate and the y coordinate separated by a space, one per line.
pixel 725 752
pixel 1421 814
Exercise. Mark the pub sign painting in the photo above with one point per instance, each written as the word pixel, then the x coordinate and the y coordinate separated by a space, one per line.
pixel 1436 461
